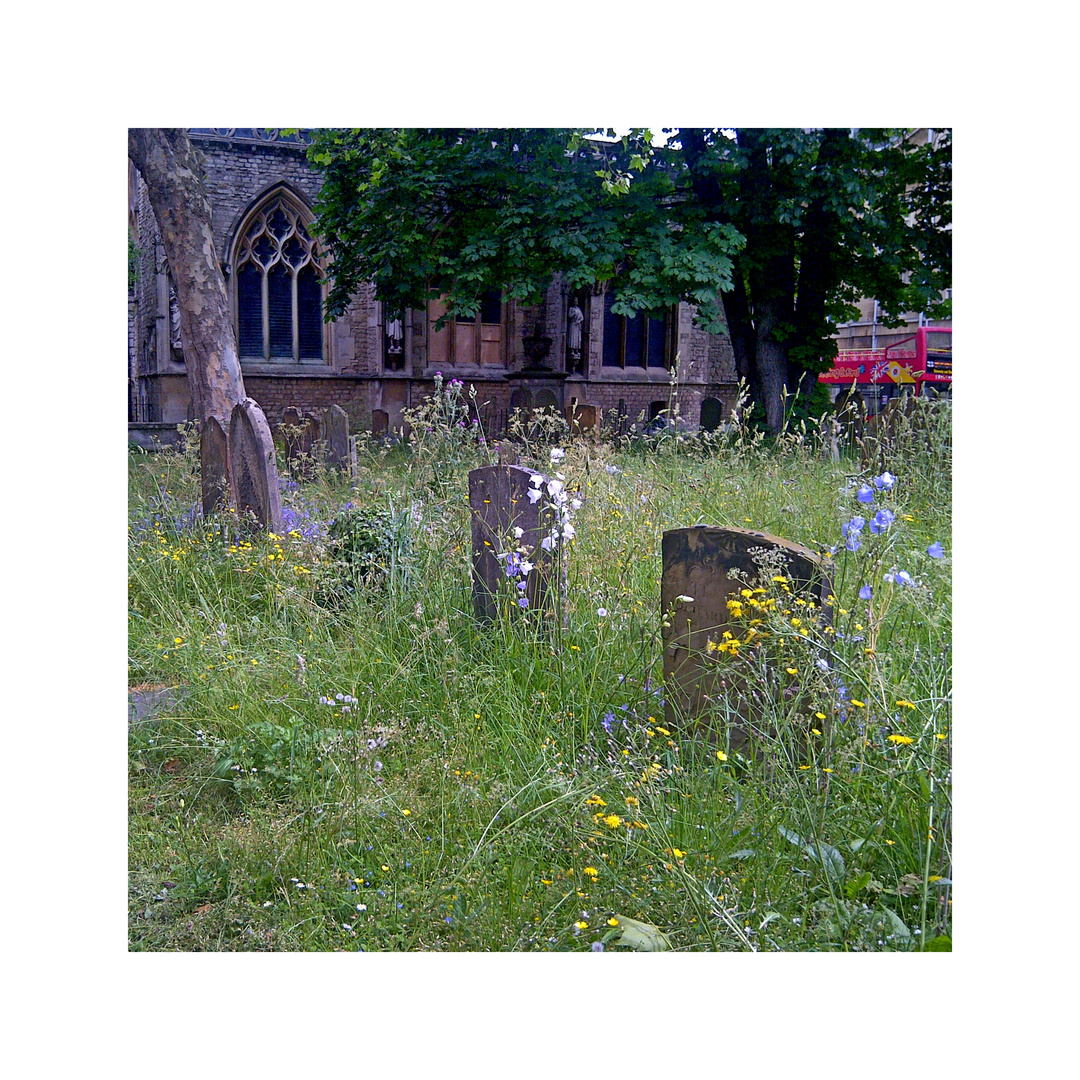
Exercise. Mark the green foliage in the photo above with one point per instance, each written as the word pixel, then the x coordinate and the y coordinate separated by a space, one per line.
pixel 772 234
pixel 508 209
pixel 368 548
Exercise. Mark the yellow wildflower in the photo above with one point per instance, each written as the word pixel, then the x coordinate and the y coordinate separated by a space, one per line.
pixel 901 740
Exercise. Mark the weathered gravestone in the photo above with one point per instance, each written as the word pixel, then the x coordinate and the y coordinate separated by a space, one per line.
pixel 335 433
pixel 500 504
pixel 213 466
pixel 695 587
pixel 581 418
pixel 301 436
pixel 380 421
pixel 253 470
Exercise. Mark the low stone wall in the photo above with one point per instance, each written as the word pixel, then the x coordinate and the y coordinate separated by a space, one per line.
pixel 153 436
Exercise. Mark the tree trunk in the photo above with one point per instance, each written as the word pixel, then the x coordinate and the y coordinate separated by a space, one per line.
pixel 772 363
pixel 170 167
pixel 741 331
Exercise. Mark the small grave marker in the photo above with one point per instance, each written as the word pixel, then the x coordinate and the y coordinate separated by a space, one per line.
pixel 300 434
pixel 695 587
pixel 500 504
pixel 335 429
pixel 213 466
pixel 581 418
pixel 253 470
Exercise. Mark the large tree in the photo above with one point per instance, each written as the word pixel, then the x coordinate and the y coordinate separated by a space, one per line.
pixel 170 166
pixel 771 233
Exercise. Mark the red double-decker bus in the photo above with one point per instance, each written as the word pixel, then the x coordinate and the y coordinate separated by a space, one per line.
pixel 924 358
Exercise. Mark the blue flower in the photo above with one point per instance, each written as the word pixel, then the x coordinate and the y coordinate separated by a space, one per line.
pixel 597 946
pixel 609 719
pixel 881 521
pixel 865 593
pixel 851 530
pixel 865 494
pixel 885 481
pixel 523 602
pixel 935 550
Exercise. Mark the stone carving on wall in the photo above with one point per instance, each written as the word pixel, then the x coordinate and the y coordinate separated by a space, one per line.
pixel 175 341
pixel 575 318
pixel 395 341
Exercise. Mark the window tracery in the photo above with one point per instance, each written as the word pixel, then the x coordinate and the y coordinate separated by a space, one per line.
pixel 278 286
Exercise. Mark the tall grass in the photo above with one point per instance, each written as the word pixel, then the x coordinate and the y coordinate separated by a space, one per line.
pixel 368 767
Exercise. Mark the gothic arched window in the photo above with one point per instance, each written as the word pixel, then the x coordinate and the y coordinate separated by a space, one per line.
pixel 278 286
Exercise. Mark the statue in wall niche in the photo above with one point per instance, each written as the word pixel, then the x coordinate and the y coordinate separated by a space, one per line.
pixel 175 342
pixel 395 341
pixel 575 318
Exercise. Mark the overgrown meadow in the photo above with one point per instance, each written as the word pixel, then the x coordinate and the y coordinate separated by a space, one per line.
pixel 328 752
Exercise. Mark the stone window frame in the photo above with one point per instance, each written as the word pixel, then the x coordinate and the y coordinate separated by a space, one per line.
pixel 435 308
pixel 293 202
pixel 670 319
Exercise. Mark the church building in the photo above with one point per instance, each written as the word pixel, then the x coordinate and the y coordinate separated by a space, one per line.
pixel 569 351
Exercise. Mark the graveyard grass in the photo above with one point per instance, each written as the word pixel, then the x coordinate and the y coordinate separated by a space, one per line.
pixel 339 757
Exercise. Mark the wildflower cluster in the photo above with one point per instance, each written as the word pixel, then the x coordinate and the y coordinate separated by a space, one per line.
pixel 445 427
pixel 883 519
pixel 559 502
pixel 517 569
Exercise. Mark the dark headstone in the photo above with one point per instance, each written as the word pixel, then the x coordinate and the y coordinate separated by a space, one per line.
pixel 213 466
pixel 301 436
pixel 697 566
pixel 712 414
pixel 581 418
pixel 509 452
pixel 253 469
pixel 380 421
pixel 500 503
pixel 335 429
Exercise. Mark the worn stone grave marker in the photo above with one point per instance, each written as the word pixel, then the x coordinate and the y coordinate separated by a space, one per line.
pixel 253 471
pixel 380 421
pixel 300 435
pixel 695 587
pixel 335 431
pixel 500 503
pixel 581 418
pixel 213 466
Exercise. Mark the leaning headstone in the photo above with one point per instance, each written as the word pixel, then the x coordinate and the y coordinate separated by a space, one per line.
pixel 500 505
pixel 253 470
pixel 335 432
pixel 213 466
pixel 695 587
pixel 380 421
